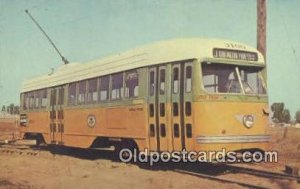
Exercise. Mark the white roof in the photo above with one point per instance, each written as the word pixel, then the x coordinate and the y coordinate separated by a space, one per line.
pixel 156 53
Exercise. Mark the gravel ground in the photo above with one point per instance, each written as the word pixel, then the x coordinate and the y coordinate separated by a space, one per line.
pixel 73 168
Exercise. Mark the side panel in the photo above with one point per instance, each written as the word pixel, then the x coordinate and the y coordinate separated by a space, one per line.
pixel 37 122
pixel 117 122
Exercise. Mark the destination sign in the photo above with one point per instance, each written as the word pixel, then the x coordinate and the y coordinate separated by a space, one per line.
pixel 235 54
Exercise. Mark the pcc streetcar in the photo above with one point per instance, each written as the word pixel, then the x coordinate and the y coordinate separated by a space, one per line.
pixel 194 94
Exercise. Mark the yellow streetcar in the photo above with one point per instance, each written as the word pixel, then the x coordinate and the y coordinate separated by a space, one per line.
pixel 194 94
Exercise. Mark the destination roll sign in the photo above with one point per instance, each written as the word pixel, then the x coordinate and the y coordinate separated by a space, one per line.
pixel 234 54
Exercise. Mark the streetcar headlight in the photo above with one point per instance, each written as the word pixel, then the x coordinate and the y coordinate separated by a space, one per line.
pixel 248 120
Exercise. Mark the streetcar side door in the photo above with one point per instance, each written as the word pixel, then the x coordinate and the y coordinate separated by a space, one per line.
pixel 57 96
pixel 177 107
pixel 158 109
pixel 152 110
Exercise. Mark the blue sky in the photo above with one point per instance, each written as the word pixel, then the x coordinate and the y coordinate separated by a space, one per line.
pixel 85 30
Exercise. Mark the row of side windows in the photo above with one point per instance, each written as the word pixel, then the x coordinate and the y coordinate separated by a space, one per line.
pixel 175 80
pixel 35 100
pixel 111 87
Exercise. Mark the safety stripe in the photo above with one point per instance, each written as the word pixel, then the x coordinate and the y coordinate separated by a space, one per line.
pixel 233 139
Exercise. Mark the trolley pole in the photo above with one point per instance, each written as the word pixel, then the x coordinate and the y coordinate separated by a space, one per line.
pixel 261 27
pixel 49 39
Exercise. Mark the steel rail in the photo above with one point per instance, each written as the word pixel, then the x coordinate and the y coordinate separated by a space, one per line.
pixel 263 173
pixel 215 178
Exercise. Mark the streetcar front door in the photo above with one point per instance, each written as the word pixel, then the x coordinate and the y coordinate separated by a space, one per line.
pixel 181 102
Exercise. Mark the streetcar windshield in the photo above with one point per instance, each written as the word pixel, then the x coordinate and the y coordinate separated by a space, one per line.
pixel 224 78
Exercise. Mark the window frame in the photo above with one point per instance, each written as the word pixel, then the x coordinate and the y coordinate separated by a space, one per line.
pixel 44 92
pixel 186 66
pixel 122 89
pixel 24 101
pixel 173 79
pixel 78 84
pixel 152 88
pixel 125 84
pixel 233 94
pixel 107 98
pixel 89 94
pixel 74 102
pixel 160 70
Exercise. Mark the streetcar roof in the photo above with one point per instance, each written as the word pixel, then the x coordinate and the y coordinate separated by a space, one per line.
pixel 152 54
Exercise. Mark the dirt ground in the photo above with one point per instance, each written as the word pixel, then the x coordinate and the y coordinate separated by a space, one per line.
pixel 75 168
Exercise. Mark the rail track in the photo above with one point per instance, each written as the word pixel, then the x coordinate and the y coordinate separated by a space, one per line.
pixel 262 173
pixel 220 173
pixel 223 180
pixel 18 149
pixel 226 173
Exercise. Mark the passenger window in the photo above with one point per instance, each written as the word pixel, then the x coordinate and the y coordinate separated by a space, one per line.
pixel 151 107
pixel 175 109
pixel 188 108
pixel 81 92
pixel 72 94
pixel 61 95
pixel 162 76
pixel 117 89
pixel 175 80
pixel 188 76
pixel 176 130
pixel 189 130
pixel 25 101
pixel 162 130
pixel 53 97
pixel 152 83
pixel 131 84
pixel 92 95
pixel 162 109
pixel 31 100
pixel 152 130
pixel 37 98
pixel 44 98
pixel 104 87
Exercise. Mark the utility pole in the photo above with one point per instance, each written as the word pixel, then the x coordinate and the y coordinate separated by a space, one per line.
pixel 261 27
